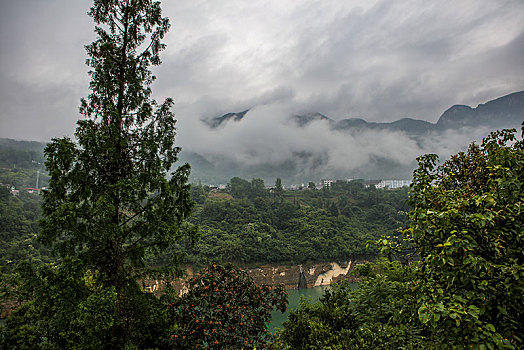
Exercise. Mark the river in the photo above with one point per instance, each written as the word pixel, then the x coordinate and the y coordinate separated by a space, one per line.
pixel 313 294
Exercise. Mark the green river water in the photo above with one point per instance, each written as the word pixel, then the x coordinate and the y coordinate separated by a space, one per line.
pixel 313 294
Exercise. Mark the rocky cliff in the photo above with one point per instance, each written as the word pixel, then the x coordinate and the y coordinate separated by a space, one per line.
pixel 319 274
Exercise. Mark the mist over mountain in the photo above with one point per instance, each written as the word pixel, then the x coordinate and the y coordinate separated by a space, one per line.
pixel 501 112
pixel 271 141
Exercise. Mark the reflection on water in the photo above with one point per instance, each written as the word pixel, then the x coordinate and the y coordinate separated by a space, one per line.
pixel 313 294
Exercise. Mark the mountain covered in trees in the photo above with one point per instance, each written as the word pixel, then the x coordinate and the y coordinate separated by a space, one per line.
pixel 248 224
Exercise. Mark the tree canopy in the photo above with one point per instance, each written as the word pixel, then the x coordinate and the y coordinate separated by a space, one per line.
pixel 258 226
pixel 467 226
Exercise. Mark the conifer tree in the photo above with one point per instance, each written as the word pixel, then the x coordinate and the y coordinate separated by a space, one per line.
pixel 112 197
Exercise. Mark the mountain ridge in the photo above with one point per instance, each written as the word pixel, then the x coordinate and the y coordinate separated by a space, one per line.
pixel 500 112
pixel 297 151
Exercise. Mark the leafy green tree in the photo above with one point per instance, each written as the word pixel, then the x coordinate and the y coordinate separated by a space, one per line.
pixel 377 315
pixel 18 230
pixel 240 188
pixel 333 209
pixel 467 226
pixel 198 193
pixel 465 287
pixel 279 190
pixel 224 309
pixel 110 202
pixel 258 189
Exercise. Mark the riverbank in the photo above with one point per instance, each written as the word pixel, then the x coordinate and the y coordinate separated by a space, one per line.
pixel 294 296
pixel 312 275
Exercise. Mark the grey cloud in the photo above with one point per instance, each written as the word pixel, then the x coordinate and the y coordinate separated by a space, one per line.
pixel 267 138
pixel 42 71
pixel 40 113
pixel 409 55
pixel 379 60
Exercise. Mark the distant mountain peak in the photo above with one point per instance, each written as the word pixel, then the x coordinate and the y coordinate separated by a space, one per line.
pixel 305 119
pixel 458 109
pixel 378 144
pixel 502 112
pixel 218 121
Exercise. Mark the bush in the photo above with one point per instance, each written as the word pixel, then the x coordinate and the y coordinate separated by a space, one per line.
pixel 224 309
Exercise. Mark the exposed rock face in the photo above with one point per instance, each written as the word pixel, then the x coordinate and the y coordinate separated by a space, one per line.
pixel 157 286
pixel 320 274
pixel 327 277
pixel 302 282
pixel 291 276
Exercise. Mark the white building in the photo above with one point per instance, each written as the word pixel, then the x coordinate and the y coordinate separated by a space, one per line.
pixel 326 182
pixel 391 184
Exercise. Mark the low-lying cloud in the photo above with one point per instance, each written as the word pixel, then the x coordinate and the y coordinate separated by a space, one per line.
pixel 267 140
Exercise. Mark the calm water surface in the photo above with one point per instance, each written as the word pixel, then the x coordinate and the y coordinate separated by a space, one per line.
pixel 313 294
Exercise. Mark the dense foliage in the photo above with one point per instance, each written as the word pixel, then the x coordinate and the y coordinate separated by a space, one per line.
pixel 18 243
pixel 377 315
pixel 465 288
pixel 20 154
pixel 467 226
pixel 248 224
pixel 224 309
pixel 18 229
pixel 65 307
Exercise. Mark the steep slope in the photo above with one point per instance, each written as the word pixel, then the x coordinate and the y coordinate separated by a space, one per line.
pixel 506 111
pixel 222 120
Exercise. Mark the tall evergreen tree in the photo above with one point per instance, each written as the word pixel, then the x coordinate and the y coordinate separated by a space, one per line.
pixel 279 190
pixel 112 197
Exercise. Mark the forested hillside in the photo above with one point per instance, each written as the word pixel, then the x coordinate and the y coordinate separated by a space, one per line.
pixel 464 282
pixel 245 223
pixel 18 229
pixel 20 163
pixel 249 224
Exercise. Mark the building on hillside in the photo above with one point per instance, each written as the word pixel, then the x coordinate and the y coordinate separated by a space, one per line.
pixel 294 187
pixel 11 189
pixel 392 184
pixel 32 190
pixel 369 183
pixel 326 182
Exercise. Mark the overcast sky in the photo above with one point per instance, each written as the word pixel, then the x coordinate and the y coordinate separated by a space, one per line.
pixel 380 60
